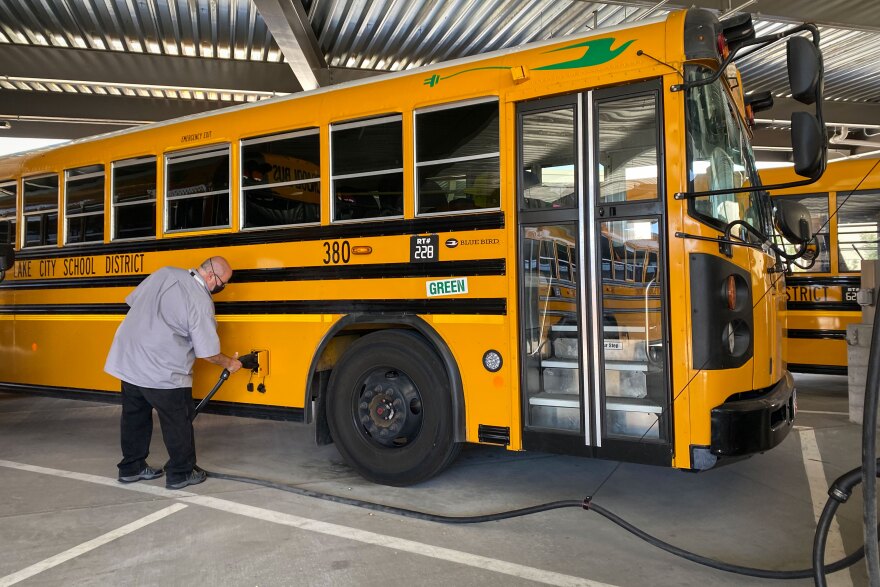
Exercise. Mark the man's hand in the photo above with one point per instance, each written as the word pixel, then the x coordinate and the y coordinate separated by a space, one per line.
pixel 231 364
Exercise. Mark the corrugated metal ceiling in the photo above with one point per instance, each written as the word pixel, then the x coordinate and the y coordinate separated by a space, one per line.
pixel 380 34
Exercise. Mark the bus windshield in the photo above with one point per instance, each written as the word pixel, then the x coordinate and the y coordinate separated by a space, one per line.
pixel 720 157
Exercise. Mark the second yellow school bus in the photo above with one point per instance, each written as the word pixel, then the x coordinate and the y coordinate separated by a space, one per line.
pixel 821 298
pixel 487 250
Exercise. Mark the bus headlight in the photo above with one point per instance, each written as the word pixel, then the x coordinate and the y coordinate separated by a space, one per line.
pixel 736 338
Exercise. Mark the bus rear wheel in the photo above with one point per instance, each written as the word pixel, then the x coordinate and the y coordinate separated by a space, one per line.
pixel 389 409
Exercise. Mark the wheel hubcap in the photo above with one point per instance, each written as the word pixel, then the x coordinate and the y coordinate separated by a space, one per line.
pixel 389 408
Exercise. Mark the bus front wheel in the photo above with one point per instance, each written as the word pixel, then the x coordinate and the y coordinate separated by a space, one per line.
pixel 389 409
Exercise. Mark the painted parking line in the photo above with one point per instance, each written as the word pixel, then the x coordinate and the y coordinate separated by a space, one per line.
pixel 824 413
pixel 85 547
pixel 819 495
pixel 326 528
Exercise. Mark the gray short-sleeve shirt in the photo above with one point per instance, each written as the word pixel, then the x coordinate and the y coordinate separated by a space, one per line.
pixel 170 322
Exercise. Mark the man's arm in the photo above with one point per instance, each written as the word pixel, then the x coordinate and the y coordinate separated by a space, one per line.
pixel 231 364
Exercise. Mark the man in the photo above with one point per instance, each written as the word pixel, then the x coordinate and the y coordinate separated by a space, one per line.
pixel 170 323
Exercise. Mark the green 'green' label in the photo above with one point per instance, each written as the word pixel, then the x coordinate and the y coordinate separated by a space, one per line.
pixel 447 287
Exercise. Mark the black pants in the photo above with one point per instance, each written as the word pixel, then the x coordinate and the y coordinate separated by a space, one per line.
pixel 175 409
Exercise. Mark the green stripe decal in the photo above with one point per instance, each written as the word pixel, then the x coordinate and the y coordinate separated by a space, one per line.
pixel 598 51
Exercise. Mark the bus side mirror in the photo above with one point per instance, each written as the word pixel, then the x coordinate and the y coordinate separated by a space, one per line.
pixel 808 143
pixel 804 70
pixel 792 220
pixel 7 257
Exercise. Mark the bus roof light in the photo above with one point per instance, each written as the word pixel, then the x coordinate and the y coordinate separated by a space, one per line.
pixel 723 49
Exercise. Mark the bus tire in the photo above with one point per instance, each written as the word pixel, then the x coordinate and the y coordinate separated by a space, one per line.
pixel 389 409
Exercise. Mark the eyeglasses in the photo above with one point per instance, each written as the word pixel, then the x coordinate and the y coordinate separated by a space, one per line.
pixel 217 277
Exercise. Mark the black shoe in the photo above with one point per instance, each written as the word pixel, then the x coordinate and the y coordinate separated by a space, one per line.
pixel 145 475
pixel 194 477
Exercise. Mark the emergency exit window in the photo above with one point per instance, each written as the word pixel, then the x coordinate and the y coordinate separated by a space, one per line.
pixel 281 179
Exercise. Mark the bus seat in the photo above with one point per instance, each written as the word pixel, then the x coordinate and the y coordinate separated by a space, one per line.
pixel 462 204
pixel 432 198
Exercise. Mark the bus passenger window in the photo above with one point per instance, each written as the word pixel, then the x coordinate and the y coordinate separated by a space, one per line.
pixel 548 165
pixel 84 204
pixel 8 209
pixel 281 179
pixel 457 157
pixel 817 204
pixel 40 210
pixel 628 149
pixel 858 228
pixel 197 189
pixel 366 162
pixel 133 197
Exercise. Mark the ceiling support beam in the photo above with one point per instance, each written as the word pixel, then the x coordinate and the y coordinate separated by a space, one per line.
pixel 849 113
pixel 140 69
pixel 290 27
pixel 788 10
pixel 54 115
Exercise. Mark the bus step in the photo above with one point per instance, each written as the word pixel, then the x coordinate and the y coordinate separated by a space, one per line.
pixel 627 366
pixel 632 404
pixel 559 364
pixel 555 400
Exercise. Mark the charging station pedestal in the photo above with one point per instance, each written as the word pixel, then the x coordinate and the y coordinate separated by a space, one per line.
pixel 858 340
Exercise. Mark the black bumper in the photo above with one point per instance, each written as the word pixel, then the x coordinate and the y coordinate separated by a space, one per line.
pixel 744 427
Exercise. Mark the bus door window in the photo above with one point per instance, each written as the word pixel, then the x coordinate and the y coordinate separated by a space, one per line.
pixel 628 154
pixel 281 179
pixel 133 197
pixel 197 189
pixel 366 168
pixel 858 228
pixel 632 309
pixel 550 315
pixel 40 210
pixel 548 174
pixel 632 371
pixel 84 204
pixel 458 157
pixel 8 210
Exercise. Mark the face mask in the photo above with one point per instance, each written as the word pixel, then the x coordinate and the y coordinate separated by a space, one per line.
pixel 219 285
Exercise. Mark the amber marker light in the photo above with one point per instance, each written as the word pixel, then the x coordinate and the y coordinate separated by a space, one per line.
pixel 361 250
pixel 731 292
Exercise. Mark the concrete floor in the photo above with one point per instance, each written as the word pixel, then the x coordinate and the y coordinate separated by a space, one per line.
pixel 64 520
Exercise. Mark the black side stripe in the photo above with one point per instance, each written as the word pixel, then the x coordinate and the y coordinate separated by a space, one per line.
pixel 67 283
pixel 215 407
pixel 813 334
pixel 387 270
pixel 493 306
pixel 848 281
pixel 483 221
pixel 818 306
pixel 326 272
pixel 817 369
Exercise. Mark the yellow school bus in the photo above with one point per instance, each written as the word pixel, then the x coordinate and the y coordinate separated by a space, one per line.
pixel 821 296
pixel 510 249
